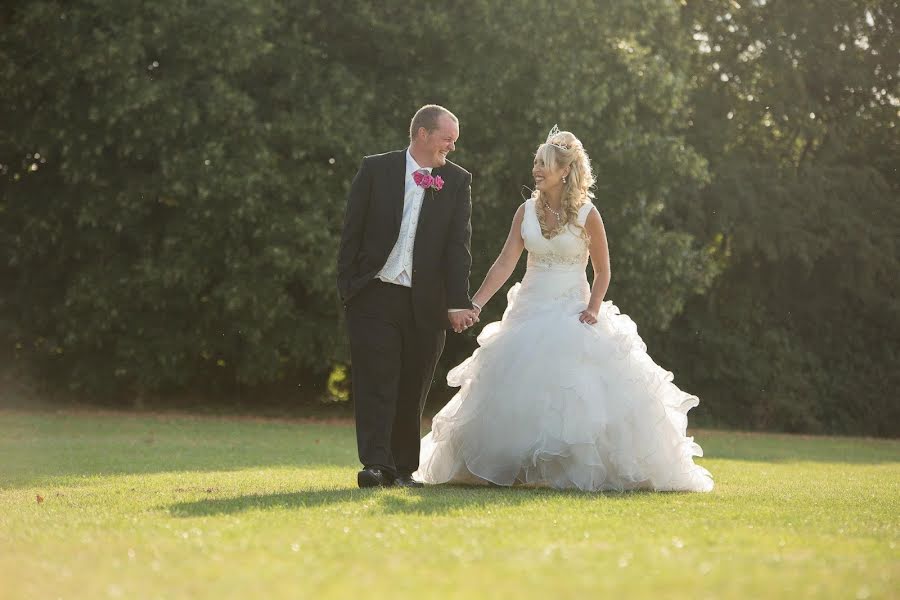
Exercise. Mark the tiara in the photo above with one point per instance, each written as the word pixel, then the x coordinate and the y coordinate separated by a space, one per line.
pixel 550 135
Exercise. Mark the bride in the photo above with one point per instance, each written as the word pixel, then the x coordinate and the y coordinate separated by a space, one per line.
pixel 561 391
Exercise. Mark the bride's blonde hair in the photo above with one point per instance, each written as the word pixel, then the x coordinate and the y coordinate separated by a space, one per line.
pixel 562 149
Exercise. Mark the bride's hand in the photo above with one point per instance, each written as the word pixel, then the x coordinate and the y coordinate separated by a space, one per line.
pixel 588 317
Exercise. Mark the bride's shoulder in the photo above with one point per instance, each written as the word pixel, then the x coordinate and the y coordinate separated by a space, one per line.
pixel 518 220
pixel 520 211
pixel 584 211
pixel 524 208
pixel 525 204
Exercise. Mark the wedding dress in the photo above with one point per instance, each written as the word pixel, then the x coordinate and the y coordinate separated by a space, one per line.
pixel 549 401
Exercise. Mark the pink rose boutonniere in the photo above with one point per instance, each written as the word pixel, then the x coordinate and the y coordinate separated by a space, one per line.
pixel 424 180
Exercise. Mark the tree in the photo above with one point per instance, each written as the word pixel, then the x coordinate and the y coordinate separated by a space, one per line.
pixel 169 191
pixel 795 107
pixel 182 228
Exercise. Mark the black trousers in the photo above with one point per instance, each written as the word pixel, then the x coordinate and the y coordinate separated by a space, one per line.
pixel 393 363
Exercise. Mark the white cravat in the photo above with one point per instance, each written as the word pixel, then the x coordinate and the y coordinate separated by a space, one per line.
pixel 398 268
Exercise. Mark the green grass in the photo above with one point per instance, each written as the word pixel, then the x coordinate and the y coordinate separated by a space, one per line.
pixel 178 507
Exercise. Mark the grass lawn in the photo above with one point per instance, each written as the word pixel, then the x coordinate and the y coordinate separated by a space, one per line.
pixel 138 506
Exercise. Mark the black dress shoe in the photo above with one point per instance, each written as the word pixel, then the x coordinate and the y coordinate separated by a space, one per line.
pixel 407 481
pixel 373 477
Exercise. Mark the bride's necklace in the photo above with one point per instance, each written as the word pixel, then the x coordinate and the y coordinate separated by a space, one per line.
pixel 556 213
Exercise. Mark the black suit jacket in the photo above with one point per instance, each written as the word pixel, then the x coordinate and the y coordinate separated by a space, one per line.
pixel 442 260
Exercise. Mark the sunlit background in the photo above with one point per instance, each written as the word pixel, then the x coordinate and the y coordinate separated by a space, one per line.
pixel 173 177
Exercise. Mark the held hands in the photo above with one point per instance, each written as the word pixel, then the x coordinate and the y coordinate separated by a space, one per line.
pixel 463 319
pixel 588 316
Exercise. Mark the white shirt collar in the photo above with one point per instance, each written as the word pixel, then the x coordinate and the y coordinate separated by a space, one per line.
pixel 411 165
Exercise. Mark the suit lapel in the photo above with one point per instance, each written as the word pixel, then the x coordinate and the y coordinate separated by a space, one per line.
pixel 397 186
pixel 429 205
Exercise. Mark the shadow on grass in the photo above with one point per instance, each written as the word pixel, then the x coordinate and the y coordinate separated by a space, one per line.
pixel 36 448
pixel 79 469
pixel 431 500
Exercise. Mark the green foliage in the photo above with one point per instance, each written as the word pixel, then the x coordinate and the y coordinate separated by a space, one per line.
pixel 183 228
pixel 173 178
pixel 338 384
pixel 795 107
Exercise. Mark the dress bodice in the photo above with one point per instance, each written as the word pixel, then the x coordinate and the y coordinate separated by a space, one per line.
pixel 566 251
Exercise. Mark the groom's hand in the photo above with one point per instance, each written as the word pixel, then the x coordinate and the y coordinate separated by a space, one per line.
pixel 461 320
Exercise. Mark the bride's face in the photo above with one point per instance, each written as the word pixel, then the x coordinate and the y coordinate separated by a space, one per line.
pixel 546 177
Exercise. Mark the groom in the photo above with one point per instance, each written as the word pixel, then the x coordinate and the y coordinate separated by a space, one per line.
pixel 403 277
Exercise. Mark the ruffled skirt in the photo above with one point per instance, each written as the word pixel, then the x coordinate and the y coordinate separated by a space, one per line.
pixel 549 401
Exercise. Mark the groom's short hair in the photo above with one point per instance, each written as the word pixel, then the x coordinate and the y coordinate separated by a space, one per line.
pixel 427 117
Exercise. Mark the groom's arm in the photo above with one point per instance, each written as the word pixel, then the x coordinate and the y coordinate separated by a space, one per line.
pixel 459 256
pixel 354 224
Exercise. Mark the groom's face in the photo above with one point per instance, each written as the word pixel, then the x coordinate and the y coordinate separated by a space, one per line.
pixel 437 144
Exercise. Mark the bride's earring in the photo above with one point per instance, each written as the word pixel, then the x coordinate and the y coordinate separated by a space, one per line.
pixel 564 178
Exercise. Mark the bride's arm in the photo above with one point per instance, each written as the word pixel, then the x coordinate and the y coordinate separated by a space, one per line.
pixel 505 263
pixel 599 250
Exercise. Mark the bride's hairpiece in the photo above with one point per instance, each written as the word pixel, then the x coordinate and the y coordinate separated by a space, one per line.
pixel 550 135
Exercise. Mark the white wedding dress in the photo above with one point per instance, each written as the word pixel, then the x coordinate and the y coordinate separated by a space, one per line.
pixel 549 401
